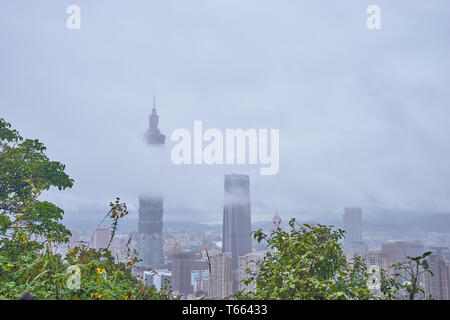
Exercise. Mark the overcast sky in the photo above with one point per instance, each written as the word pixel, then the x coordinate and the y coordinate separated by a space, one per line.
pixel 363 114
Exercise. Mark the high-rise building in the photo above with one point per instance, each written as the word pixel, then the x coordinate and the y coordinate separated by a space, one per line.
pixel 353 224
pixel 74 239
pixel 437 285
pixel 181 273
pixel 237 217
pixel 249 266
pixel 376 262
pixel 200 282
pixel 444 252
pixel 399 250
pixel 353 242
pixel 378 259
pixel 153 136
pixel 150 240
pixel 101 238
pixel 221 276
pixel 236 221
pixel 157 278
pixel 356 249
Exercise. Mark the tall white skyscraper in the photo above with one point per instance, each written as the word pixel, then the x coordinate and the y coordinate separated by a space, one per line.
pixel 437 285
pixel 74 239
pixel 221 276
pixel 101 238
pixel 353 242
pixel 353 224
pixel 248 265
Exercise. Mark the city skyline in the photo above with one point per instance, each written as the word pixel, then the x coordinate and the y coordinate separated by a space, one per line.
pixel 361 112
pixel 186 259
pixel 224 150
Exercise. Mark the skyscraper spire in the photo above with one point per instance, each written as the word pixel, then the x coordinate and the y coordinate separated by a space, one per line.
pixel 153 135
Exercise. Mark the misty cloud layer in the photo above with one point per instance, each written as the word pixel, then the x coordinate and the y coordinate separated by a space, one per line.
pixel 363 115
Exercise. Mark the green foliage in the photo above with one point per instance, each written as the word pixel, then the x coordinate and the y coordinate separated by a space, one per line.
pixel 117 211
pixel 307 262
pixel 30 231
pixel 103 278
pixel 304 262
pixel 406 277
pixel 46 275
pixel 26 171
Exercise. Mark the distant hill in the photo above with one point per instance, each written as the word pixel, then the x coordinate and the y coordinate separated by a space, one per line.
pixel 378 221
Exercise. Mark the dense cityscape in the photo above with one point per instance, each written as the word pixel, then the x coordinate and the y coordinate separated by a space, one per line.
pixel 207 263
pixel 224 159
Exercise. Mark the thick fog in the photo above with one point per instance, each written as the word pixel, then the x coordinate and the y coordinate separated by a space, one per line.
pixel 363 114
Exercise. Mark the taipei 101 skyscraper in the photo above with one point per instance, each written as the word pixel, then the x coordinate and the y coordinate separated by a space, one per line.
pixel 153 136
pixel 150 240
